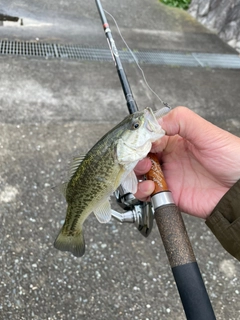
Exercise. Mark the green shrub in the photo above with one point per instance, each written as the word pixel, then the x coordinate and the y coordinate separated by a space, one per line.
pixel 184 4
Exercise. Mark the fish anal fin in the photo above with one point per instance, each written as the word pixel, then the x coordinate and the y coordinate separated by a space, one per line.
pixel 103 212
pixel 73 243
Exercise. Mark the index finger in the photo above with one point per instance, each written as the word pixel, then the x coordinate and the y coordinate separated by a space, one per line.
pixel 143 166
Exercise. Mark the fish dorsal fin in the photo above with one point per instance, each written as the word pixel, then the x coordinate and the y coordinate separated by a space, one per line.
pixel 60 188
pixel 63 188
pixel 130 182
pixel 74 165
pixel 103 212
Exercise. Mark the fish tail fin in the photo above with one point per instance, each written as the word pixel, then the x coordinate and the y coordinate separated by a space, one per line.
pixel 73 243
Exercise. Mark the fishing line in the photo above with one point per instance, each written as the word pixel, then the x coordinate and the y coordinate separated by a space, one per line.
pixel 136 61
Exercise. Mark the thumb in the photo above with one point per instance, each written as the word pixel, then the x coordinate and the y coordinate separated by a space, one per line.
pixel 188 125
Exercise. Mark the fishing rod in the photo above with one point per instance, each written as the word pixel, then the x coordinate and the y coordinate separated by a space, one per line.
pixel 191 288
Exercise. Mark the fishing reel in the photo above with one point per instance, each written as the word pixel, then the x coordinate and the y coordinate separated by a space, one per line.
pixel 137 212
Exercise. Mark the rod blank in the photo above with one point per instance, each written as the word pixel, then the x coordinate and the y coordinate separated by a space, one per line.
pixel 131 103
pixel 186 273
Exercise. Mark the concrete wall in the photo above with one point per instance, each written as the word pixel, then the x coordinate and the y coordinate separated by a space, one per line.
pixel 221 16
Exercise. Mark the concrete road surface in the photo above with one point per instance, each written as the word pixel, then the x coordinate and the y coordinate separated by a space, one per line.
pixel 52 109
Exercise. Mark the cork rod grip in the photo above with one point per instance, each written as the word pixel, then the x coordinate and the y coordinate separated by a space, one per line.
pixel 156 175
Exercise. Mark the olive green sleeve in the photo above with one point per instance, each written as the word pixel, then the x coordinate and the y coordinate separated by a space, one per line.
pixel 224 221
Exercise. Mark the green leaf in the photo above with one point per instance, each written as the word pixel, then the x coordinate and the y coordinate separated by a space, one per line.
pixel 184 4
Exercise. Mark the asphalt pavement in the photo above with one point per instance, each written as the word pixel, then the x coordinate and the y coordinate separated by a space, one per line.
pixel 53 109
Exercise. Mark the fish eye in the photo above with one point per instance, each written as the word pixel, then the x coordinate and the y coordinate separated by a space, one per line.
pixel 135 125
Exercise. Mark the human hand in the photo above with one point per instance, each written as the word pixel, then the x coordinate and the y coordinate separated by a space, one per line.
pixel 200 162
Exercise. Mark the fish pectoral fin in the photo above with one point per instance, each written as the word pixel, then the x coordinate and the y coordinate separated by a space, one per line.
pixel 130 182
pixel 103 212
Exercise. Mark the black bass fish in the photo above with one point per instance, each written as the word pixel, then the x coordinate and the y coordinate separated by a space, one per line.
pixel 96 176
